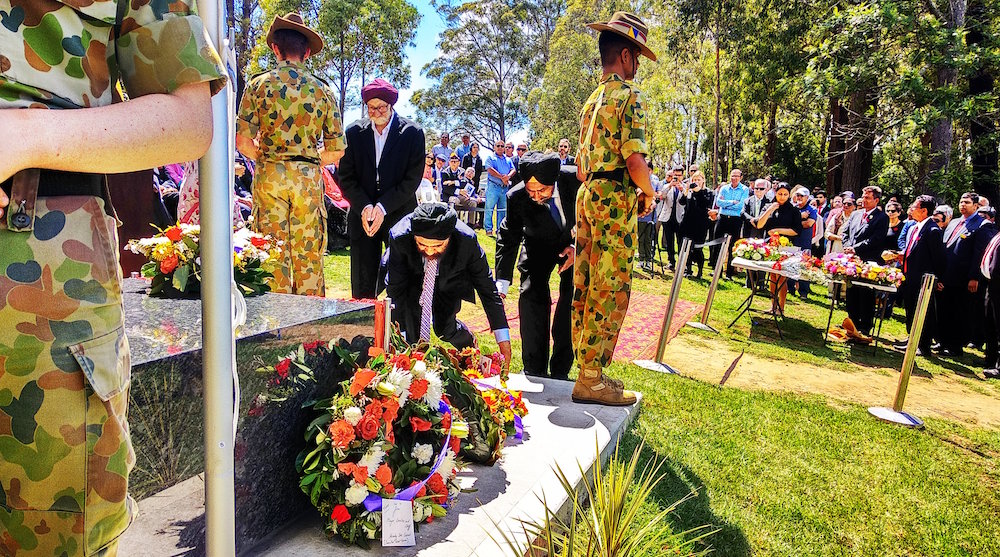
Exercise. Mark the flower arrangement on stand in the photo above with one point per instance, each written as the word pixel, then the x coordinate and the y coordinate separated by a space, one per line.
pixel 174 263
pixel 391 434
pixel 848 267
pixel 756 249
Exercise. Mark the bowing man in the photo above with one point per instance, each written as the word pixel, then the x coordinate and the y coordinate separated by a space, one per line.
pixel 541 212
pixel 432 264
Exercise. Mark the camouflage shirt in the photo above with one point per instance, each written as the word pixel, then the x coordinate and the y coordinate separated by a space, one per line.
pixel 619 130
pixel 289 110
pixel 70 54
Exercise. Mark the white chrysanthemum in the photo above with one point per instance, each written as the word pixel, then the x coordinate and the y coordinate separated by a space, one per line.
pixel 353 415
pixel 420 511
pixel 355 494
pixel 434 389
pixel 400 379
pixel 418 368
pixel 422 452
pixel 373 458
pixel 447 465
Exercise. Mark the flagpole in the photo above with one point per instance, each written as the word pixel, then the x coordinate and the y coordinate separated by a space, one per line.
pixel 218 338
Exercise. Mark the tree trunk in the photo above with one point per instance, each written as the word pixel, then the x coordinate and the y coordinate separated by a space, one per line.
pixel 771 147
pixel 836 131
pixel 857 165
pixel 982 126
pixel 718 102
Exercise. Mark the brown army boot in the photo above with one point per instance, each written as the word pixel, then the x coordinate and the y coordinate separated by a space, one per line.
pixel 593 388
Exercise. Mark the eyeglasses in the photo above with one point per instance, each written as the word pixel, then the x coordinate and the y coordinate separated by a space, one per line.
pixel 454 159
pixel 499 146
pixel 521 149
pixel 383 108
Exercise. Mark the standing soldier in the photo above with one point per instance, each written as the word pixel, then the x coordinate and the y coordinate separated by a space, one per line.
pixel 285 114
pixel 65 449
pixel 616 190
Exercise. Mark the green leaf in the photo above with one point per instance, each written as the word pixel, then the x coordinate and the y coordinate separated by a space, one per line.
pixel 180 280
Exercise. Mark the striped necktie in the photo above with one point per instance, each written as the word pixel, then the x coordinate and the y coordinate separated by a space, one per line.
pixel 427 298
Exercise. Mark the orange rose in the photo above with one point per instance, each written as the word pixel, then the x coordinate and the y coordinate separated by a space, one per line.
pixel 383 475
pixel 169 263
pixel 360 474
pixel 362 378
pixel 341 434
pixel 368 428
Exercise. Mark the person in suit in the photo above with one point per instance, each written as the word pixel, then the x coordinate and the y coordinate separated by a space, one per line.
pixel 432 264
pixel 958 289
pixel 565 158
pixel 697 200
pixel 670 212
pixel 380 172
pixel 988 268
pixel 451 178
pixel 754 207
pixel 923 253
pixel 867 240
pixel 541 212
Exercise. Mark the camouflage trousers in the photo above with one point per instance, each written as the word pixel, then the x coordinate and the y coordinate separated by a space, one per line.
pixel 288 205
pixel 65 450
pixel 602 275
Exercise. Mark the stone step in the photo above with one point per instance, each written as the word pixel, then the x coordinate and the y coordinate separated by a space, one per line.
pixel 557 432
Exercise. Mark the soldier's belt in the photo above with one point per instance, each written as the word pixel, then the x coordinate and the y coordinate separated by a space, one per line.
pixel 616 175
pixel 300 158
pixel 27 185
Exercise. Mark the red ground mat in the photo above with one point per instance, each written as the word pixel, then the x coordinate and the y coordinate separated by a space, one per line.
pixel 639 334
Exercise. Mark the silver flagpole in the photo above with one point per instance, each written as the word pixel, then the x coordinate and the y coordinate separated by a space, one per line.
pixel 218 339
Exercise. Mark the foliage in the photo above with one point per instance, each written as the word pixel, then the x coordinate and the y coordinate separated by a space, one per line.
pixel 363 39
pixel 611 526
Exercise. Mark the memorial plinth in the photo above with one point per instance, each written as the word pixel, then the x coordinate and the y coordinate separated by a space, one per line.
pixel 557 432
pixel 166 407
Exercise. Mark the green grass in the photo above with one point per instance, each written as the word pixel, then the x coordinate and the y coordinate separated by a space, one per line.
pixel 786 474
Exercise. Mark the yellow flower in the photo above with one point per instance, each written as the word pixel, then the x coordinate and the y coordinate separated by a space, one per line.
pixel 460 429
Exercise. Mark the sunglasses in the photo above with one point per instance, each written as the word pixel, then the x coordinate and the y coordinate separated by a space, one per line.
pixel 454 159
pixel 521 149
pixel 761 189
pixel 891 211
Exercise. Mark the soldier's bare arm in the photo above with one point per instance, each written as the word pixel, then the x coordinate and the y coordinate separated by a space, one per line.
pixel 247 146
pixel 145 132
pixel 330 157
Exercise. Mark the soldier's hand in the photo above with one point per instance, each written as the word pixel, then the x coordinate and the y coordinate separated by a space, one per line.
pixel 570 254
pixel 646 204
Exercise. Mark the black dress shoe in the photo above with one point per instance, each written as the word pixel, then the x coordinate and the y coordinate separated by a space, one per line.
pixel 992 373
pixel 901 344
pixel 937 347
pixel 952 353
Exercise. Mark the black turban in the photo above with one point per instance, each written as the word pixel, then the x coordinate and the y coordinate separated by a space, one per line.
pixel 540 166
pixel 435 221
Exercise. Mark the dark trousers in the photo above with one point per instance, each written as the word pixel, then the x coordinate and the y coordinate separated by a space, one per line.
pixel 731 226
pixel 645 238
pixel 992 332
pixel 954 315
pixel 909 297
pixel 366 253
pixel 537 322
pixel 669 238
pixel 861 308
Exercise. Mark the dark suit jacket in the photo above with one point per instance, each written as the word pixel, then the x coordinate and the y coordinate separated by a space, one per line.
pixel 961 264
pixel 448 190
pixel 570 161
pixel 463 269
pixel 399 172
pixel 532 224
pixel 869 238
pixel 983 235
pixel 926 256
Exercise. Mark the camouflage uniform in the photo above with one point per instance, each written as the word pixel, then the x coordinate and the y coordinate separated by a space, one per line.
pixel 65 451
pixel 606 219
pixel 289 111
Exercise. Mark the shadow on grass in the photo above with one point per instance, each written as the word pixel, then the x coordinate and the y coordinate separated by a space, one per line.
pixel 678 482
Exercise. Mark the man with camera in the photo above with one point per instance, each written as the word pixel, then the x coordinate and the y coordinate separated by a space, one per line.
pixel 671 213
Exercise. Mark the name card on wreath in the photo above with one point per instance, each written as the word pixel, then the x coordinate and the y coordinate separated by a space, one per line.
pixel 397 523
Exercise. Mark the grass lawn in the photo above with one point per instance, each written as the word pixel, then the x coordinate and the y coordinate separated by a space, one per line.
pixel 790 474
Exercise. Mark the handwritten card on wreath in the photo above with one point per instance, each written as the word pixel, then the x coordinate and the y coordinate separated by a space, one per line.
pixel 397 523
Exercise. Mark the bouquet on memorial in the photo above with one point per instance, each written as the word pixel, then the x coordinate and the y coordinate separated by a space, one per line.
pixel 756 249
pixel 852 268
pixel 811 270
pixel 880 274
pixel 391 434
pixel 174 260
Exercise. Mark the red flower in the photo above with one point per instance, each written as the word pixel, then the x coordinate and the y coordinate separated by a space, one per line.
pixel 368 428
pixel 423 489
pixel 169 264
pixel 446 421
pixel 390 436
pixel 347 468
pixel 455 444
pixel 257 241
pixel 430 518
pixel 402 361
pixel 360 474
pixel 282 367
pixel 362 378
pixel 311 347
pixel 418 388
pixel 437 487
pixel 374 409
pixel 173 234
pixel 390 408
pixel 383 475
pixel 420 424
pixel 415 356
pixel 341 434
pixel 340 514
pixel 389 489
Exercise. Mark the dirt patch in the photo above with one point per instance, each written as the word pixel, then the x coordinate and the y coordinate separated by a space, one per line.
pixel 941 396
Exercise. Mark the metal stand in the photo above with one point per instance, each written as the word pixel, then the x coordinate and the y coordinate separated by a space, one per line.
pixel 675 292
pixel 720 262
pixel 895 414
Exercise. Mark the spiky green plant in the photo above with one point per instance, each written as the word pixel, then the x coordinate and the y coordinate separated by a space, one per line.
pixel 605 519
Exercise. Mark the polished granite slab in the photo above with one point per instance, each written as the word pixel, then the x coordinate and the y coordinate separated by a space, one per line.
pixel 166 406
pixel 163 327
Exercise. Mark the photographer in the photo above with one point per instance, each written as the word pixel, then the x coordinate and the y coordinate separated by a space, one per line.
pixel 671 212
pixel 696 201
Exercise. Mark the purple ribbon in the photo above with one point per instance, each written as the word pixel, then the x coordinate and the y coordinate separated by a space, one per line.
pixel 374 501
pixel 518 425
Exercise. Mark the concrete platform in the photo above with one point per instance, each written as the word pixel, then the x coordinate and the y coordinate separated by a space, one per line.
pixel 557 431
